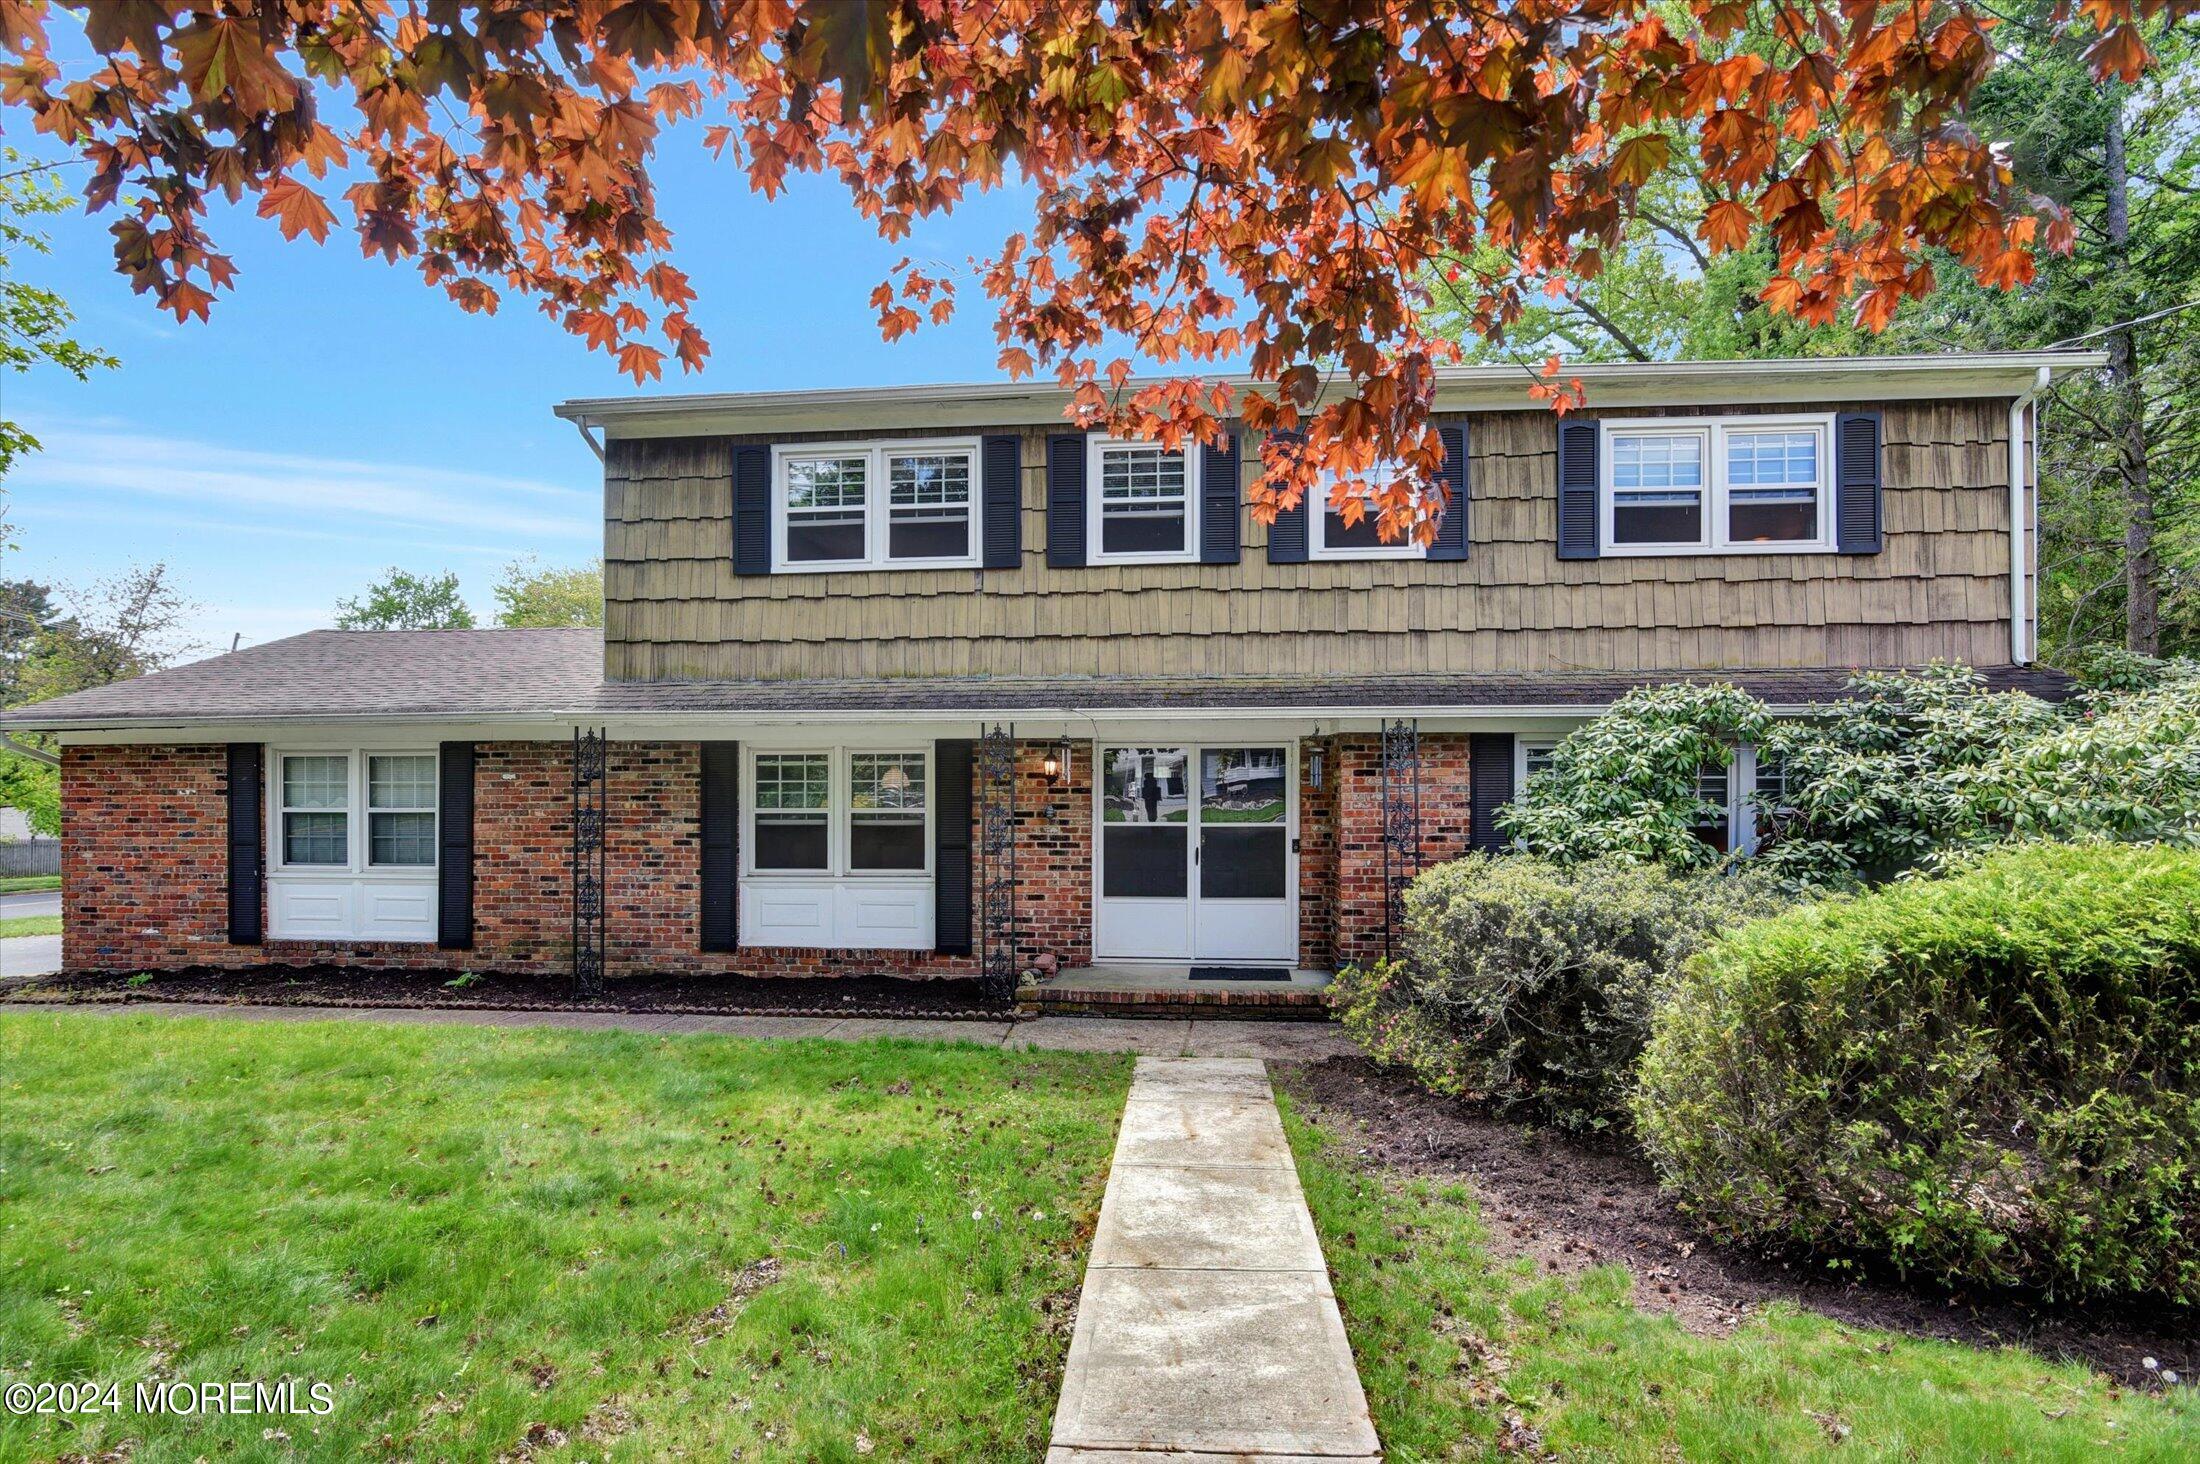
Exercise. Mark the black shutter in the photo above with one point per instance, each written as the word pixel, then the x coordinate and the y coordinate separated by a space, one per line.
pixel 1856 501
pixel 1489 787
pixel 1451 534
pixel 752 509
pixel 1002 463
pixel 719 915
pixel 1287 539
pixel 951 761
pixel 1218 501
pixel 454 832
pixel 1577 489
pixel 1066 501
pixel 247 836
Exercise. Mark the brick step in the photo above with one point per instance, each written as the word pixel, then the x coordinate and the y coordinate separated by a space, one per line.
pixel 1267 1004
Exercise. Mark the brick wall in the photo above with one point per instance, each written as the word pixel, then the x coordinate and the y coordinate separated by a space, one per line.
pixel 1318 855
pixel 145 863
pixel 1446 820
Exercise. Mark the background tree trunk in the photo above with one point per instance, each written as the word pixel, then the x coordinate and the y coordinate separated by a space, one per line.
pixel 2142 605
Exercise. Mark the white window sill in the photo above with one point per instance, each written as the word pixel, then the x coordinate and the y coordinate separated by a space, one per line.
pixel 873 566
pixel 1686 551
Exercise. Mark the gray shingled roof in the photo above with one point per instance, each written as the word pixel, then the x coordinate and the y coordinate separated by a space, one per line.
pixel 558 674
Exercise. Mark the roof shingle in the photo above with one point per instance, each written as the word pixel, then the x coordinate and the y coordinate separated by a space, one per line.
pixel 524 675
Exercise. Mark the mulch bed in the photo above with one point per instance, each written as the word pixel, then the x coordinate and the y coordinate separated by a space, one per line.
pixel 1570 1205
pixel 717 996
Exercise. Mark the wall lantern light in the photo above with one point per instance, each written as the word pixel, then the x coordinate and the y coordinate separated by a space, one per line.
pixel 1315 762
pixel 1057 762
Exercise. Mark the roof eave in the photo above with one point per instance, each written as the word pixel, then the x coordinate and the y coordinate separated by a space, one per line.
pixel 1459 389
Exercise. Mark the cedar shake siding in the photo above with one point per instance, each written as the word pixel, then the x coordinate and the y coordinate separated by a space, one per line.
pixel 677 610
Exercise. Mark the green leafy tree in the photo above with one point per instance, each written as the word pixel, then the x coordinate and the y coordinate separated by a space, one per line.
pixel 405 601
pixel 34 321
pixel 532 595
pixel 113 630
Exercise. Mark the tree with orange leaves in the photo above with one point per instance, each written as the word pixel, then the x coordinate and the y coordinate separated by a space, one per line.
pixel 1214 179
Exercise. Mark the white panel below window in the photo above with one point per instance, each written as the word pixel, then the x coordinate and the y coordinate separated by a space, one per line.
pixel 837 914
pixel 351 909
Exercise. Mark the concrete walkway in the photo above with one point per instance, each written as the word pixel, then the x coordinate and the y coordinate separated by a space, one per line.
pixel 1207 1329
pixel 1192 1037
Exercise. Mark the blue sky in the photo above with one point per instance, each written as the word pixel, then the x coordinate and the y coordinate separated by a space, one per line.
pixel 337 416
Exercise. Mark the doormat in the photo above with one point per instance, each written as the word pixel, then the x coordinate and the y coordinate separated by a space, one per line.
pixel 1240 973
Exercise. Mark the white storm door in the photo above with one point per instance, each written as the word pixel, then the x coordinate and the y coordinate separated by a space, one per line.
pixel 1242 860
pixel 1142 903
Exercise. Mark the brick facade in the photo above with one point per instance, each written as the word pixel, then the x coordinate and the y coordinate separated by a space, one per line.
pixel 145 863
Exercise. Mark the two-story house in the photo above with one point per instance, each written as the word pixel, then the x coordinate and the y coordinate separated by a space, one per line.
pixel 900 680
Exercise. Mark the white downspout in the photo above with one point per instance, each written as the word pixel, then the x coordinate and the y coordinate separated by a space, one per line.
pixel 2020 640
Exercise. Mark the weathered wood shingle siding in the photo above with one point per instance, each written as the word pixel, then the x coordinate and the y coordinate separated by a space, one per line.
pixel 675 608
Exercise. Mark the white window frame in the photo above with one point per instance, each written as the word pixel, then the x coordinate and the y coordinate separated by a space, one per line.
pixel 1524 748
pixel 1096 447
pixel 1713 432
pixel 877 510
pixel 840 812
pixel 1317 522
pixel 358 843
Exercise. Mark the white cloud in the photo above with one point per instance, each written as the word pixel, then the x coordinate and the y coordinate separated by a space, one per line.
pixel 80 456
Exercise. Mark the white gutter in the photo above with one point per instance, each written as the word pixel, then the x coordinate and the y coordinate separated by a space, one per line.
pixel 35 754
pixel 2020 451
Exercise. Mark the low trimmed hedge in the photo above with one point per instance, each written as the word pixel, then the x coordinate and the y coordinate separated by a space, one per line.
pixel 1991 1078
pixel 1530 986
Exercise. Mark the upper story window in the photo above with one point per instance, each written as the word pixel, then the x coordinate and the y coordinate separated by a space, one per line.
pixel 1145 502
pixel 1333 538
pixel 1718 485
pixel 869 505
pixel 326 800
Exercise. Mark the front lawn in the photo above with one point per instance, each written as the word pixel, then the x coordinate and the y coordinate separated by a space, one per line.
pixel 30 925
pixel 16 884
pixel 1464 1356
pixel 533 1243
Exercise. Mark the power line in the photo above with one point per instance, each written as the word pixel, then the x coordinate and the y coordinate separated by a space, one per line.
pixel 2122 325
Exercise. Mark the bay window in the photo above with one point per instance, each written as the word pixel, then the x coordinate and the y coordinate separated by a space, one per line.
pixel 1144 502
pixel 1717 485
pixel 869 505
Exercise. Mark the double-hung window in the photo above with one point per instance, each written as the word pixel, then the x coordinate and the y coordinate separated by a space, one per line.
pixel 871 505
pixel 352 844
pixel 1718 485
pixel 839 812
pixel 1145 502
pixel 322 796
pixel 1333 538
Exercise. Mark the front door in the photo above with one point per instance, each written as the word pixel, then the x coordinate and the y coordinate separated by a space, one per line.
pixel 1193 855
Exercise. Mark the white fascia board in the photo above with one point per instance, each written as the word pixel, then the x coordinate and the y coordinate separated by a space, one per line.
pixel 1459 389
pixel 1033 723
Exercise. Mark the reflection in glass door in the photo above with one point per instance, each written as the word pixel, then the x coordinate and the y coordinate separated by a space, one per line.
pixel 1244 857
pixel 1145 907
pixel 1194 855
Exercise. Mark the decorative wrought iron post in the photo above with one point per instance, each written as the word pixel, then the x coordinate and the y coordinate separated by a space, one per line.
pixel 997 867
pixel 587 867
pixel 1401 824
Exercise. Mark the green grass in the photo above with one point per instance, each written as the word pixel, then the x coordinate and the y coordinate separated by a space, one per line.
pixel 30 925
pixel 18 884
pixel 485 1238
pixel 1449 1341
